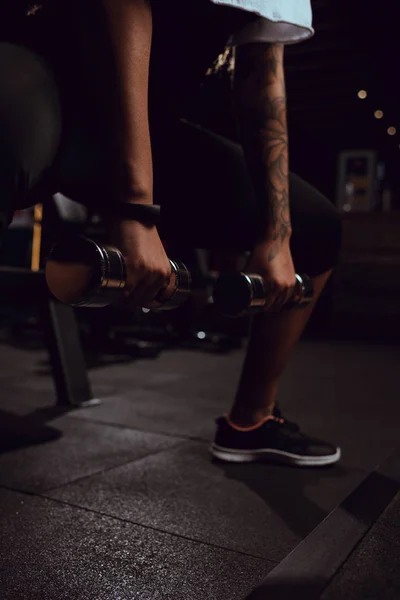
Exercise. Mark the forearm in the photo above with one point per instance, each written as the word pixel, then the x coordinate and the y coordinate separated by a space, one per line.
pixel 260 103
pixel 130 27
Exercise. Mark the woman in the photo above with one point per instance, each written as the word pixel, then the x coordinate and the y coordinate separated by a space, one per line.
pixel 76 115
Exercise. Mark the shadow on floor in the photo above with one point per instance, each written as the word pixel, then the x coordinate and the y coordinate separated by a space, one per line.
pixel 92 362
pixel 283 490
pixel 296 589
pixel 18 431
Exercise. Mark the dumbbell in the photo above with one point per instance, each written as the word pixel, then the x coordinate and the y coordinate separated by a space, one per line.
pixel 80 272
pixel 237 294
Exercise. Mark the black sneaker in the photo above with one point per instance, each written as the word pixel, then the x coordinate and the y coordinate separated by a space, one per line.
pixel 275 439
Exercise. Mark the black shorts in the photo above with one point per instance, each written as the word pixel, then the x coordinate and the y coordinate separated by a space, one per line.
pixel 200 179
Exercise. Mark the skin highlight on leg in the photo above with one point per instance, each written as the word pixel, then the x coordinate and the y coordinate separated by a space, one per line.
pixel 273 337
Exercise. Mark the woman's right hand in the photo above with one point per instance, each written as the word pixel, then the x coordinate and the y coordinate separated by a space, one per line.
pixel 275 265
pixel 148 267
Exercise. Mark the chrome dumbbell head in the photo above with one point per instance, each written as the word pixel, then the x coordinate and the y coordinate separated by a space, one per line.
pixel 304 292
pixel 237 294
pixel 80 272
pixel 177 293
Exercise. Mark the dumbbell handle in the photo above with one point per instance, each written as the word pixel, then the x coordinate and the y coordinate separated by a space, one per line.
pixel 237 294
pixel 80 272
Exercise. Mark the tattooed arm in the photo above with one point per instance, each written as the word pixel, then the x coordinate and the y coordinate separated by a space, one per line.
pixel 260 106
pixel 260 100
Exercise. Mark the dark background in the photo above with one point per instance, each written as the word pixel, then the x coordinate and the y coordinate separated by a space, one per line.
pixel 355 47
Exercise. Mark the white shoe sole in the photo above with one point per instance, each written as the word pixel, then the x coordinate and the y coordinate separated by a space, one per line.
pixel 267 454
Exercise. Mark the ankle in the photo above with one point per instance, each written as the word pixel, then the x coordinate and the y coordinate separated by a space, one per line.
pixel 253 404
pixel 250 419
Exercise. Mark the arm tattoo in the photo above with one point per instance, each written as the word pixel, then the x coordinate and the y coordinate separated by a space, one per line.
pixel 260 100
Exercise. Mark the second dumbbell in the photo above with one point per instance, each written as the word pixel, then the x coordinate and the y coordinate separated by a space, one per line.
pixel 80 272
pixel 237 294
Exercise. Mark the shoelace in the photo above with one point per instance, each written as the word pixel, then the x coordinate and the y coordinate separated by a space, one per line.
pixel 277 417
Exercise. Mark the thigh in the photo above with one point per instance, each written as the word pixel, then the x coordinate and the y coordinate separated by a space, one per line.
pixel 30 125
pixel 48 142
pixel 208 201
pixel 317 229
pixel 202 183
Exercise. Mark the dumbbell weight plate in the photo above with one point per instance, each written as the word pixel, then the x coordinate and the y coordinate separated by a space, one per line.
pixel 178 290
pixel 80 272
pixel 236 294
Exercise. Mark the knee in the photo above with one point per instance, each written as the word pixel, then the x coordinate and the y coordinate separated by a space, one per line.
pixel 327 243
pixel 317 239
pixel 333 233
pixel 30 123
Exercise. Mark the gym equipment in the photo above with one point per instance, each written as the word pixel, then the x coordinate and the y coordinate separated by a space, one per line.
pixel 26 300
pixel 237 294
pixel 81 272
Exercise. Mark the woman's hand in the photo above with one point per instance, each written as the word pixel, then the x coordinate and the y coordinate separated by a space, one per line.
pixel 148 267
pixel 278 273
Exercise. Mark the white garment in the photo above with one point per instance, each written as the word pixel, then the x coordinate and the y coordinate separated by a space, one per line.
pixel 283 21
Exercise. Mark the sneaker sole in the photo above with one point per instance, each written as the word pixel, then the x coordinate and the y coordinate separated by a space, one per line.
pixel 277 456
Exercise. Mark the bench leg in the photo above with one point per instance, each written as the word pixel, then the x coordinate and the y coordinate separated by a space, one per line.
pixel 66 356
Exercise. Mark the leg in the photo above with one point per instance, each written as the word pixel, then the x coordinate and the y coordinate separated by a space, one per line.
pixel 66 355
pixel 272 339
pixel 315 248
pixel 30 126
pixel 226 217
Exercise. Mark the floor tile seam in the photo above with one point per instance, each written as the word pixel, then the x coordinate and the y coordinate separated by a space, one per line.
pixel 342 566
pixel 19 491
pixel 131 428
pixel 112 467
pixel 72 505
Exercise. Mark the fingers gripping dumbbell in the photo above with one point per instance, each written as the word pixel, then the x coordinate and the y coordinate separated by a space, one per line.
pixel 237 294
pixel 80 272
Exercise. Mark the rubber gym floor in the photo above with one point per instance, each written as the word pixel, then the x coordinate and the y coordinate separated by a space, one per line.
pixel 122 500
